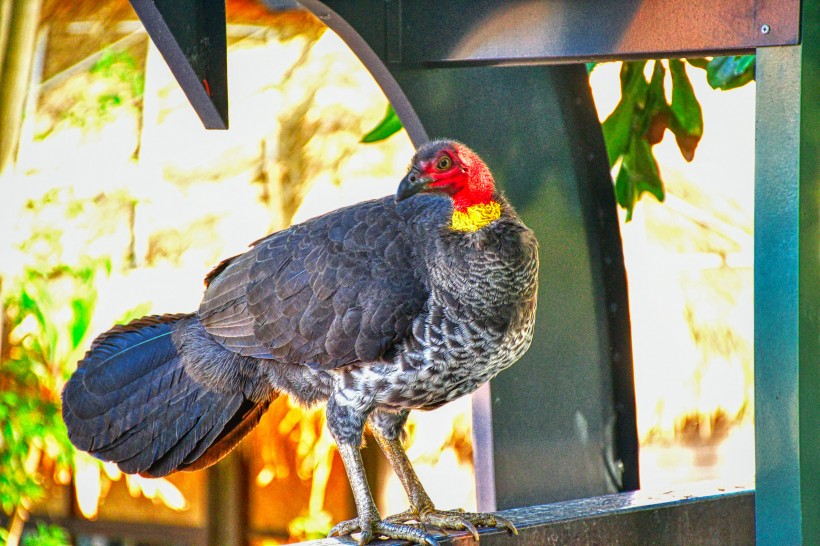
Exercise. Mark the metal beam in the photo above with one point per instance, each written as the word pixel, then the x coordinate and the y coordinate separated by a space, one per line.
pixel 787 289
pixel 190 35
pixel 430 32
pixel 697 517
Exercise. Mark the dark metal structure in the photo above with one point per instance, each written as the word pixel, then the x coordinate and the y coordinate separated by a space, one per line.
pixel 190 34
pixel 484 72
pixel 689 517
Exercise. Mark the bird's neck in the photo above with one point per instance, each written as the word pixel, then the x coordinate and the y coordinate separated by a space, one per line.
pixel 474 217
pixel 475 205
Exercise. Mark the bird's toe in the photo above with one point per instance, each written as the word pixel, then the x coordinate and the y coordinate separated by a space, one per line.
pixel 405 532
pixel 368 530
pixel 345 528
pixel 393 527
pixel 460 520
pixel 402 517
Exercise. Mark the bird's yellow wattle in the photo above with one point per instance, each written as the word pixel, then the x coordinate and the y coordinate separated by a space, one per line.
pixel 475 217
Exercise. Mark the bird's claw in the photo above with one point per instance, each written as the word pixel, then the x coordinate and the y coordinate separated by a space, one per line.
pixel 457 520
pixel 370 529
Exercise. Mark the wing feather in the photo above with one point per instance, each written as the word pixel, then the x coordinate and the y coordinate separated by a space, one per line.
pixel 338 289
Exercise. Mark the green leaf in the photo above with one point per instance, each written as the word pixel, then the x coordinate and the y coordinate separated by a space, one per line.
pixel 699 62
pixel 618 126
pixel 655 117
pixel 730 72
pixel 644 169
pixel 655 96
pixel 687 116
pixel 30 305
pixel 388 126
pixel 638 174
pixel 46 535
pixel 82 318
pixel 633 84
pixel 625 191
pixel 685 104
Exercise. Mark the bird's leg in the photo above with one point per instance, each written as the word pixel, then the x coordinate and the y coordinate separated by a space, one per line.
pixel 387 429
pixel 343 423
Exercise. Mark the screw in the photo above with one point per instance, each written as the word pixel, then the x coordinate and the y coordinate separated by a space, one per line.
pixel 765 29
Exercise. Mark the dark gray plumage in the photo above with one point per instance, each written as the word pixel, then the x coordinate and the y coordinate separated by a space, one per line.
pixel 377 308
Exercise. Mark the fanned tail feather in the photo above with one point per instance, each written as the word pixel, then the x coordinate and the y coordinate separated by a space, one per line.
pixel 132 402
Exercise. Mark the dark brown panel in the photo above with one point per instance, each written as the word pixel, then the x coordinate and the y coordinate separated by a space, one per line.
pixel 525 31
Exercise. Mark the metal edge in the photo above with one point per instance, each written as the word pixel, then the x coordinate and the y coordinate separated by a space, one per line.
pixel 375 65
pixel 191 83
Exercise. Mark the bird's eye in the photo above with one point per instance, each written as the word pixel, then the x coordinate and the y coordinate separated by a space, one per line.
pixel 444 163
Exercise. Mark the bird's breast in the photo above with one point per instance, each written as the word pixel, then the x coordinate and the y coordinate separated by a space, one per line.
pixel 466 337
pixel 477 321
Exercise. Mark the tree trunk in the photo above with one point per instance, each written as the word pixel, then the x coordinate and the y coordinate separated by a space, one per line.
pixel 19 32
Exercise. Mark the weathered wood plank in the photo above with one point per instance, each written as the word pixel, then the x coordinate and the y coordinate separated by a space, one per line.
pixel 698 516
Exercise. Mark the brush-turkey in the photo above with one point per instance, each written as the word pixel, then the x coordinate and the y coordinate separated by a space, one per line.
pixel 390 305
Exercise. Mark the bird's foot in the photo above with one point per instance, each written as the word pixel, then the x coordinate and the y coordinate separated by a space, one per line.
pixel 371 529
pixel 457 520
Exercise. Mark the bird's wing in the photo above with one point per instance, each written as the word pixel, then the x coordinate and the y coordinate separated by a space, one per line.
pixel 338 289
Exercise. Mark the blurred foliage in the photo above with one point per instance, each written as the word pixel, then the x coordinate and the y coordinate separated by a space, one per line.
pixel 43 535
pixel 116 80
pixel 48 313
pixel 641 118
pixel 312 526
pixel 122 67
pixel 46 535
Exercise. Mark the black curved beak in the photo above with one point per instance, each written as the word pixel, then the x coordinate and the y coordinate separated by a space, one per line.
pixel 412 184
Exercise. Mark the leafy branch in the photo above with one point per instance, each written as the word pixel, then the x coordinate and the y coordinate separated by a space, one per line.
pixel 641 118
pixel 48 312
pixel 33 439
pixel 643 115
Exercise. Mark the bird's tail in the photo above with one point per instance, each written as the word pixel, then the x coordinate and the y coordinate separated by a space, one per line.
pixel 136 401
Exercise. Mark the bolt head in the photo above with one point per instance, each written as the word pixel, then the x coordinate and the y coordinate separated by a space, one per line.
pixel 765 29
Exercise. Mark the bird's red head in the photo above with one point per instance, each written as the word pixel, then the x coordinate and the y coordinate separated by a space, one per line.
pixel 451 168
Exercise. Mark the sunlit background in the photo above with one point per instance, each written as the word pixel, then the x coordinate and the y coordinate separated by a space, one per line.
pixel 119 203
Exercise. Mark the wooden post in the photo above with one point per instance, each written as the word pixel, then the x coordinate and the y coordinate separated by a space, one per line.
pixel 227 514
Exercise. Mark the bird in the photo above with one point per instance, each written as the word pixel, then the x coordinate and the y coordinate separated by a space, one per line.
pixel 376 309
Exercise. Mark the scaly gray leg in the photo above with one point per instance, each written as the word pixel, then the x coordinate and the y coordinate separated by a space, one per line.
pixel 387 429
pixel 343 424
